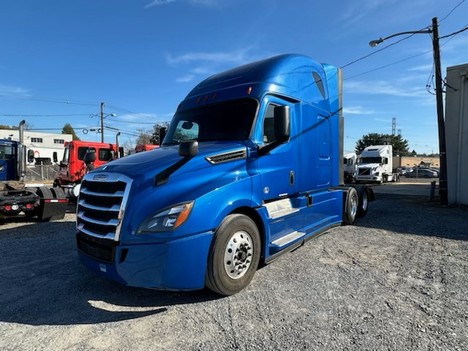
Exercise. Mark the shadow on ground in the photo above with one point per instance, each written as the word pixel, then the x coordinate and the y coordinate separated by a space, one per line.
pixel 42 283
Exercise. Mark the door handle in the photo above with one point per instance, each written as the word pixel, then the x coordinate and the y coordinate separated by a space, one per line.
pixel 291 178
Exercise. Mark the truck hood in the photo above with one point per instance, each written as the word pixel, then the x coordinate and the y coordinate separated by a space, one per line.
pixel 219 167
pixel 151 163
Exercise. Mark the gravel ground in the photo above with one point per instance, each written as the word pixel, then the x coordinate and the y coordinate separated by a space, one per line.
pixel 397 280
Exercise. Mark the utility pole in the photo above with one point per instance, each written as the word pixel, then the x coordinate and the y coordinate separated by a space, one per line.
pixel 434 30
pixel 102 122
pixel 440 114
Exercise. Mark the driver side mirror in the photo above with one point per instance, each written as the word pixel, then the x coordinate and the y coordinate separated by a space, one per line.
pixel 89 157
pixel 30 156
pixel 188 148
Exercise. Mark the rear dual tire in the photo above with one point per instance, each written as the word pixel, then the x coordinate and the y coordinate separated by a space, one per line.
pixel 355 204
pixel 350 206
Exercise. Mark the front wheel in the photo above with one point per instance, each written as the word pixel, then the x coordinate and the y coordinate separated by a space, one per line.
pixel 234 255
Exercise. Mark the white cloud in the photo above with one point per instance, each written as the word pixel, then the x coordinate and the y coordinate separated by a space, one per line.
pixel 13 91
pixel 356 10
pixel 421 68
pixel 384 88
pixel 185 79
pixel 357 110
pixel 235 57
pixel 137 117
pixel 207 3
pixel 383 120
pixel 159 3
pixel 203 64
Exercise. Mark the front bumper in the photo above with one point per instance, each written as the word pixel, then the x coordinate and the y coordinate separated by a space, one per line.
pixel 174 265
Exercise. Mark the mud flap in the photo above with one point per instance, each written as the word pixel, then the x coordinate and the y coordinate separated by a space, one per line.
pixel 53 203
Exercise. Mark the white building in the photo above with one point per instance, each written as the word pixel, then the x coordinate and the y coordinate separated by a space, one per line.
pixel 43 145
pixel 456 133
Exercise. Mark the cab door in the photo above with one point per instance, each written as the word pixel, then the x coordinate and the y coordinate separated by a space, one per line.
pixel 277 168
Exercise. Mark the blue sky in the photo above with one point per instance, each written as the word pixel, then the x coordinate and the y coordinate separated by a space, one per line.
pixel 60 59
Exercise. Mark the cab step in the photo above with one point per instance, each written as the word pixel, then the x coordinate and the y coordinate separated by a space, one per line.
pixel 285 241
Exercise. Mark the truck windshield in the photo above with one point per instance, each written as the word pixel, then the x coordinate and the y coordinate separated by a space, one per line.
pixel 6 152
pixel 224 121
pixel 365 160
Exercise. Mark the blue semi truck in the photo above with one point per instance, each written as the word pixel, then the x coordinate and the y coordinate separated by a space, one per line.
pixel 250 168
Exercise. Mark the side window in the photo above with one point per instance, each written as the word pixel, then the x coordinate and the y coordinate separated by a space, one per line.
pixel 105 155
pixel 269 125
pixel 83 150
pixel 66 155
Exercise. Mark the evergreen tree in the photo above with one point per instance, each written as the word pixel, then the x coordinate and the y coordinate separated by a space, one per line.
pixel 400 145
pixel 68 129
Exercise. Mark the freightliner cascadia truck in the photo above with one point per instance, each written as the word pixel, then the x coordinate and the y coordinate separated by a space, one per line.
pixel 250 168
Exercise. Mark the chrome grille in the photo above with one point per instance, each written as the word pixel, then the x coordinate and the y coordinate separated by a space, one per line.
pixel 364 171
pixel 101 205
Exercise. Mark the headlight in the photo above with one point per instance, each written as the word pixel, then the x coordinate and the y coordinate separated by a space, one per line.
pixel 167 219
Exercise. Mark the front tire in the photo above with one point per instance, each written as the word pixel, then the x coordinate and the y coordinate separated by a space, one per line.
pixel 234 255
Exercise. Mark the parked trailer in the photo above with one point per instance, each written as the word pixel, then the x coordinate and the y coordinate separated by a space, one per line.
pixel 250 168
pixel 18 198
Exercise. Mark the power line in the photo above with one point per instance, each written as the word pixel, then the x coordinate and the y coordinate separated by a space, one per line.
pixel 387 65
pixel 455 33
pixel 48 115
pixel 386 47
pixel 52 100
pixel 405 59
pixel 451 11
pixel 376 51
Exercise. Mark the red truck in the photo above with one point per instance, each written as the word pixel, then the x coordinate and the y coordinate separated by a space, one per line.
pixel 73 166
pixel 145 147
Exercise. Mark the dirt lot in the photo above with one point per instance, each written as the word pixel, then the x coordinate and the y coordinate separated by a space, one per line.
pixel 397 280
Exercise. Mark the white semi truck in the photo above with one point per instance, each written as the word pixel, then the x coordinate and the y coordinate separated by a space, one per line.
pixel 375 165
pixel 350 167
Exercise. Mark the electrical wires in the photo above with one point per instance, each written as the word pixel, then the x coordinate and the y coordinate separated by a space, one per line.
pixel 451 35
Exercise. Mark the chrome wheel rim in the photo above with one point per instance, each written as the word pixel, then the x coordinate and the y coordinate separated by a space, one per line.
pixel 238 255
pixel 354 202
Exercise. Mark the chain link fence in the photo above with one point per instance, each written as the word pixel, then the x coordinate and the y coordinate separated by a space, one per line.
pixel 41 173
